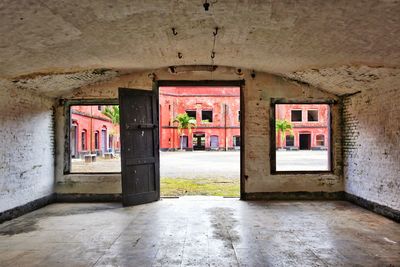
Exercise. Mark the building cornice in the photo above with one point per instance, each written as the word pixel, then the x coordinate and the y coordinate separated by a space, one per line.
pixel 77 112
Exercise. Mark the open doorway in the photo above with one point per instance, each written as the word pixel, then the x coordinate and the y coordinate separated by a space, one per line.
pixel 200 131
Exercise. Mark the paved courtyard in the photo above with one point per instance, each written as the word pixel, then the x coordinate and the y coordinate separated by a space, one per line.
pixel 302 160
pixel 211 164
pixel 200 164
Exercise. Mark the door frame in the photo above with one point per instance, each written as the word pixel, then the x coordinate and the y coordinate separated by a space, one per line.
pixel 211 83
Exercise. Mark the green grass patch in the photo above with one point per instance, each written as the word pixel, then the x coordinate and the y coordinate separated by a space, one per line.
pixel 200 186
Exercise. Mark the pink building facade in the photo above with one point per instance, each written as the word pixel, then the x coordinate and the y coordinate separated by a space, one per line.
pixel 92 132
pixel 310 124
pixel 217 113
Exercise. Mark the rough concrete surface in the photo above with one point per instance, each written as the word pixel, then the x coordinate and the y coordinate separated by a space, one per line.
pixel 201 232
pixel 56 37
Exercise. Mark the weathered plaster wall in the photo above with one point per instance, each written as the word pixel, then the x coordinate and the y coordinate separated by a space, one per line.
pixel 257 98
pixel 372 145
pixel 26 147
pixel 68 35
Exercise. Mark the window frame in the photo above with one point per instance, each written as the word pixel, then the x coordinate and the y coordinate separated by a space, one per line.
pixel 191 110
pixel 68 103
pixel 323 139
pixel 313 109
pixel 286 140
pixel 274 102
pixel 234 142
pixel 212 115
pixel 291 115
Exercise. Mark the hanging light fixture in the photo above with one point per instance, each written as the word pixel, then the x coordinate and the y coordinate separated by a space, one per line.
pixel 206 5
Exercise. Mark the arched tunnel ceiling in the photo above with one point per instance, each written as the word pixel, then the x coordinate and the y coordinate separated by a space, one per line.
pixel 339 46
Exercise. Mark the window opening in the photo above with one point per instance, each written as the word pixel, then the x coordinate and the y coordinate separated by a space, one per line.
pixel 236 141
pixel 83 140
pixel 96 140
pixel 289 140
pixel 297 115
pixel 97 147
pixel 312 115
pixel 207 115
pixel 214 142
pixel 300 145
pixel 191 113
pixel 320 140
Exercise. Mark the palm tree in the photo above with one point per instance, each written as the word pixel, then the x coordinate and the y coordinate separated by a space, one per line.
pixel 113 114
pixel 283 126
pixel 184 122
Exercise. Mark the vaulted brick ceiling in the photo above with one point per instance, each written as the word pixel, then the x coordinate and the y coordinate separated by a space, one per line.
pixel 340 46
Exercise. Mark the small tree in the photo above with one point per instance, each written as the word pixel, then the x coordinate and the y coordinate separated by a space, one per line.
pixel 184 122
pixel 113 114
pixel 282 127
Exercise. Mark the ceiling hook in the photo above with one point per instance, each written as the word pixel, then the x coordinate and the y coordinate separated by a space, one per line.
pixel 212 54
pixel 180 55
pixel 174 31
pixel 216 31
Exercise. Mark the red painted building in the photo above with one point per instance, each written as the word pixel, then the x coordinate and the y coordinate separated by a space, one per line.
pixel 310 124
pixel 217 113
pixel 92 132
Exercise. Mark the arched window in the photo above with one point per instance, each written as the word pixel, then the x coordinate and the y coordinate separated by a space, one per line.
pixel 96 140
pixel 104 139
pixel 74 139
pixel 236 141
pixel 84 139
pixel 184 141
pixel 214 142
pixel 320 140
pixel 289 140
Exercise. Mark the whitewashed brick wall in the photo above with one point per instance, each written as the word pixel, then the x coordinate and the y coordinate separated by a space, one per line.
pixel 372 146
pixel 26 147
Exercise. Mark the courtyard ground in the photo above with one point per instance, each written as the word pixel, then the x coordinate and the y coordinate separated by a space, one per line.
pixel 208 173
pixel 200 164
pixel 302 160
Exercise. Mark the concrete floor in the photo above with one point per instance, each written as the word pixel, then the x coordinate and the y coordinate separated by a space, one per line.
pixel 201 231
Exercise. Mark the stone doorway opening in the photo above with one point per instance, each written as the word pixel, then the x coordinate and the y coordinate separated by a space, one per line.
pixel 200 147
pixel 305 141
pixel 199 141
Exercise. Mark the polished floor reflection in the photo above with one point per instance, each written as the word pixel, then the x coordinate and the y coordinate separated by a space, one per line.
pixel 201 231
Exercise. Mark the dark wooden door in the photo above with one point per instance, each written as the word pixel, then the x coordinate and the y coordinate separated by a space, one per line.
pixel 305 141
pixel 140 168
